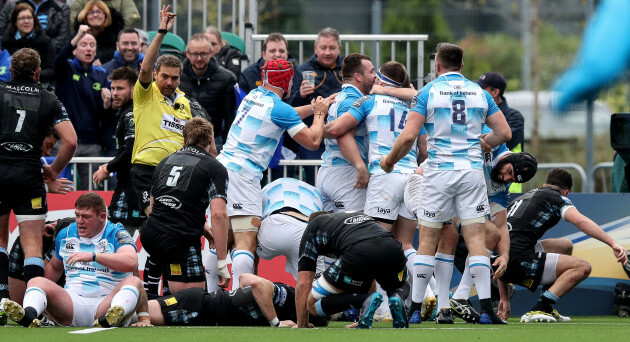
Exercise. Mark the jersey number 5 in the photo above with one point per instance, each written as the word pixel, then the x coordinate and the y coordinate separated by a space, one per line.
pixel 174 176
pixel 459 111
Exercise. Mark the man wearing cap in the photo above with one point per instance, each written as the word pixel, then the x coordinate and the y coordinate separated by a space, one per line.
pixel 260 121
pixel 495 84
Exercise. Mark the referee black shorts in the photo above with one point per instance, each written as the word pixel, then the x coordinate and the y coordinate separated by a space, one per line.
pixel 141 180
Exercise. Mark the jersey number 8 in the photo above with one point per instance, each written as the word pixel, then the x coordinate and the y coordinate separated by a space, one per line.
pixel 459 111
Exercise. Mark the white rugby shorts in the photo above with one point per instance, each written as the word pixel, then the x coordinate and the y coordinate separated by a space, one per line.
pixel 336 185
pixel 278 235
pixel 385 196
pixel 244 196
pixel 449 193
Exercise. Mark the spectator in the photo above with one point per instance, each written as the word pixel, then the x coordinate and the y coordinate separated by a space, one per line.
pixel 82 88
pixel 127 51
pixel 274 46
pixel 53 16
pixel 144 40
pixel 326 63
pixel 26 31
pixel 495 84
pixel 5 63
pixel 229 57
pixel 127 8
pixel 104 23
pixel 210 84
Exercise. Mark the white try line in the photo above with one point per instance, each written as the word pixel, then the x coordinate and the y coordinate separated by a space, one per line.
pixel 89 331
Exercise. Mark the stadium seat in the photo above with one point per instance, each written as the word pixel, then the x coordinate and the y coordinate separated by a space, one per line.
pixel 234 41
pixel 172 43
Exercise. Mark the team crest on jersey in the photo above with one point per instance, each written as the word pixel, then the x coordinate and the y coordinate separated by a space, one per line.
pixel 171 123
pixel 176 269
pixel 36 203
pixel 102 246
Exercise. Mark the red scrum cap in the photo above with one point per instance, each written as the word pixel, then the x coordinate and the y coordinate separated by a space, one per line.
pixel 277 73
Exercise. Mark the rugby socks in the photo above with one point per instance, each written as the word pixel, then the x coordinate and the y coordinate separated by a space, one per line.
pixel 411 256
pixel 4 273
pixel 242 262
pixel 33 268
pixel 479 266
pixel 443 273
pixel 151 278
pixel 433 285
pixel 333 304
pixel 546 302
pixel 212 269
pixel 465 285
pixel 34 305
pixel 423 270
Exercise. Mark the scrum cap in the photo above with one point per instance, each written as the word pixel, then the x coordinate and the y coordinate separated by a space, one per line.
pixel 277 73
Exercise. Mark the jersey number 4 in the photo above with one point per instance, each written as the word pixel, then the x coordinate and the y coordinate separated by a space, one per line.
pixel 459 111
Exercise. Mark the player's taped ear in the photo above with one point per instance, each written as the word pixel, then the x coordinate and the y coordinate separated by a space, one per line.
pixel 245 224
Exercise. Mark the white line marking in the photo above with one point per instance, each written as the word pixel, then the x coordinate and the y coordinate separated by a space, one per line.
pixel 89 331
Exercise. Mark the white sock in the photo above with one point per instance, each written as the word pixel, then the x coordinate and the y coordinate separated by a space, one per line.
pixel 480 271
pixel 242 262
pixel 212 275
pixel 127 297
pixel 36 299
pixel 443 274
pixel 433 285
pixel 423 270
pixel 411 256
pixel 465 285
pixel 384 307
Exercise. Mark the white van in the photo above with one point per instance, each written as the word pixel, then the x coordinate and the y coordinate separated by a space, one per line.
pixel 556 125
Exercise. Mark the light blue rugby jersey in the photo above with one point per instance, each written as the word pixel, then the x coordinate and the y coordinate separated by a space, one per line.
pixel 91 279
pixel 289 192
pixel 455 110
pixel 497 192
pixel 385 117
pixel 332 155
pixel 260 121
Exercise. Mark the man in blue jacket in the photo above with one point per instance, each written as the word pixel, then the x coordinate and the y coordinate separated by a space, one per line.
pixel 83 89
pixel 326 63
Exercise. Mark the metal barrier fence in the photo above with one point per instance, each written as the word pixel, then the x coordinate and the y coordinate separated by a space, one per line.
pixel 253 46
pixel 606 169
pixel 300 164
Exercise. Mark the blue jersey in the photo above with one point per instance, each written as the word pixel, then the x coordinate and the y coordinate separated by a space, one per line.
pixel 332 155
pixel 292 193
pixel 385 117
pixel 497 192
pixel 455 110
pixel 91 279
pixel 260 121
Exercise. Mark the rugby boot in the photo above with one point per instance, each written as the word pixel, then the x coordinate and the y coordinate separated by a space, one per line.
pixel 112 317
pixel 397 310
pixel 15 312
pixel 462 309
pixel 445 316
pixel 370 305
pixel 538 317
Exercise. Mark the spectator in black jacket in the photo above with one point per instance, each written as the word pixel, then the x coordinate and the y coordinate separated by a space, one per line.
pixel 127 51
pixel 53 15
pixel 210 84
pixel 25 31
pixel 229 57
pixel 326 63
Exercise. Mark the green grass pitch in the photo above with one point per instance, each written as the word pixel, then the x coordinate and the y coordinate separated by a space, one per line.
pixel 596 329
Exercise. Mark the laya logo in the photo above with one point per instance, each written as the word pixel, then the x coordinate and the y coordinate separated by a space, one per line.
pixel 171 123
pixel 169 201
pixel 429 213
pixel 357 219
pixel 17 146
pixel 382 210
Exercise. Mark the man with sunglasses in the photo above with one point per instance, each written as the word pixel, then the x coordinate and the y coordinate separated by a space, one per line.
pixel 212 85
